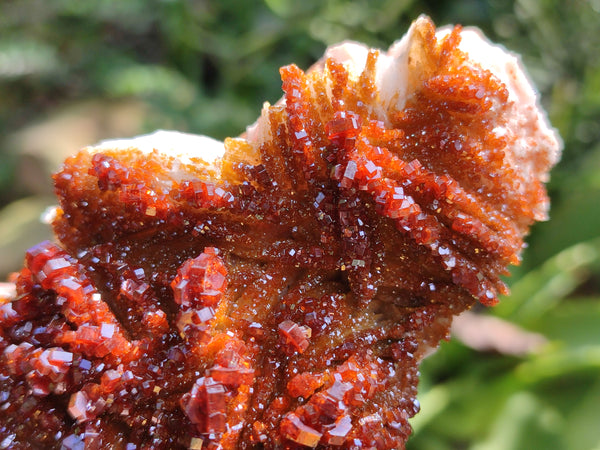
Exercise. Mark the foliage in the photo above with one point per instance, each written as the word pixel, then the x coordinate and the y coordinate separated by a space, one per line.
pixel 206 67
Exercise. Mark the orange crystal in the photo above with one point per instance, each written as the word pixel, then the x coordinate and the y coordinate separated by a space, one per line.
pixel 283 295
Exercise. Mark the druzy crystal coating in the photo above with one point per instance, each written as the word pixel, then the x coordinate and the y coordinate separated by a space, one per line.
pixel 283 295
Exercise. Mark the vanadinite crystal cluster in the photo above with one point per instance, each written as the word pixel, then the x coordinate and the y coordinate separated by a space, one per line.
pixel 278 290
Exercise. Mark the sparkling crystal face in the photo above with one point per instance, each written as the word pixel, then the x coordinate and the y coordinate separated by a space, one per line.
pixel 282 296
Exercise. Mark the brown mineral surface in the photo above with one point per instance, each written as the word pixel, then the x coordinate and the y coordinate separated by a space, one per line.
pixel 278 290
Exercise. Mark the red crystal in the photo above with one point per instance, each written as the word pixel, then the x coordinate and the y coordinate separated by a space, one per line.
pixel 295 337
pixel 344 126
pixel 215 407
pixel 339 433
pixel 201 194
pixel 232 376
pixel 295 430
pixel 78 406
pixel 305 384
pixel 200 281
pixel 205 405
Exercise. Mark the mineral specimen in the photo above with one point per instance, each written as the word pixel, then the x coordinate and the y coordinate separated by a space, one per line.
pixel 278 290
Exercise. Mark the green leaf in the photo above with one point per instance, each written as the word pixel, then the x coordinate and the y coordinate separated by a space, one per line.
pixel 525 422
pixel 540 290
pixel 20 57
pixel 581 427
pixel 149 80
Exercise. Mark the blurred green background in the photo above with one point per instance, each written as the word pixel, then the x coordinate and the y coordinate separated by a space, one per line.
pixel 523 375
